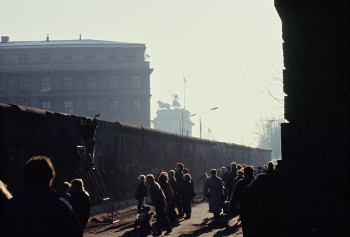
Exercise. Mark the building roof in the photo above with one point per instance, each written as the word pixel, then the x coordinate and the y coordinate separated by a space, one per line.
pixel 69 43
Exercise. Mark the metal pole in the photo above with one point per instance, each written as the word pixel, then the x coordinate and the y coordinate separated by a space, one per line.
pixel 200 127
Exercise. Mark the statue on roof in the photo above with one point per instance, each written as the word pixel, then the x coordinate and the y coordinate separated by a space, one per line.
pixel 163 106
pixel 176 103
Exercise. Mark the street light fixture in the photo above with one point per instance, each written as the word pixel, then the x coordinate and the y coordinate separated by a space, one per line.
pixel 200 120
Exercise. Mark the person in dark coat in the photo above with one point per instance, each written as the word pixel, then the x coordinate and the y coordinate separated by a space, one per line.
pixel 80 201
pixel 141 193
pixel 64 191
pixel 158 200
pixel 169 196
pixel 179 177
pixel 230 178
pixel 188 195
pixel 37 210
pixel 237 197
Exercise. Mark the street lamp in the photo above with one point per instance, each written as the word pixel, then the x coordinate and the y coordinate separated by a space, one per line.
pixel 182 123
pixel 200 120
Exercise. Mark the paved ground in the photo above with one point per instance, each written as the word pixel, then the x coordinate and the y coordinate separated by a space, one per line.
pixel 199 225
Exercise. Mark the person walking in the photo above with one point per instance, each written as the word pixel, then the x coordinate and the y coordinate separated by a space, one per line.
pixel 179 177
pixel 215 194
pixel 141 193
pixel 158 201
pixel 169 196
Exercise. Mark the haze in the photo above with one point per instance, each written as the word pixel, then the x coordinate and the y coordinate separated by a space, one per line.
pixel 228 51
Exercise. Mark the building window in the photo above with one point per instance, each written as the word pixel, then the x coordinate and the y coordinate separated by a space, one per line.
pixel 23 58
pixel 131 57
pixel 3 86
pixel 114 106
pixel 67 82
pixel 135 82
pixel 2 59
pixel 68 107
pixel 45 83
pixel 23 84
pixel 90 57
pixel 113 81
pixel 91 105
pixel 136 104
pixel 45 58
pixel 67 57
pixel 91 82
pixel 113 58
pixel 46 105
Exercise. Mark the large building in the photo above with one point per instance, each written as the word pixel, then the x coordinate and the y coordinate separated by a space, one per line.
pixel 82 77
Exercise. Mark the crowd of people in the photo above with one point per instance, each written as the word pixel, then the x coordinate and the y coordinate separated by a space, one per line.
pixel 38 210
pixel 249 193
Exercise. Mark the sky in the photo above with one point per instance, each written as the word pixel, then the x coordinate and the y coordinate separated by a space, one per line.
pixel 229 51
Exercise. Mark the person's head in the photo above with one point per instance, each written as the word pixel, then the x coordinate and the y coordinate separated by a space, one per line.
pixel 248 172
pixel 239 167
pixel 142 178
pixel 39 172
pixel 65 187
pixel 76 185
pixel 163 177
pixel 233 166
pixel 187 177
pixel 205 174
pixel 239 173
pixel 185 171
pixel 145 209
pixel 213 172
pixel 270 165
pixel 218 171
pixel 171 173
pixel 150 178
pixel 180 166
pixel 228 168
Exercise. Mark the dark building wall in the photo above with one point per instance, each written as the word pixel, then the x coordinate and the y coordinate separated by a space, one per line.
pixel 122 151
pixel 315 142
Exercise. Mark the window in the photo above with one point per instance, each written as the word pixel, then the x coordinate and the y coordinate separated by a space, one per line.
pixel 113 58
pixel 23 58
pixel 46 105
pixel 45 83
pixel 67 82
pixel 130 57
pixel 90 57
pixel 91 82
pixel 91 105
pixel 45 58
pixel 113 81
pixel 68 107
pixel 114 106
pixel 135 82
pixel 136 104
pixel 2 59
pixel 23 84
pixel 3 86
pixel 67 57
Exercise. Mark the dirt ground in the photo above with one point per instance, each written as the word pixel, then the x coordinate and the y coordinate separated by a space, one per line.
pixel 200 224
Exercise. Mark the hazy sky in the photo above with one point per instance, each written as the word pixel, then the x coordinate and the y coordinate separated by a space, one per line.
pixel 228 50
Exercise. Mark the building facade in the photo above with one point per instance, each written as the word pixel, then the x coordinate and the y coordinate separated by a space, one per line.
pixel 82 77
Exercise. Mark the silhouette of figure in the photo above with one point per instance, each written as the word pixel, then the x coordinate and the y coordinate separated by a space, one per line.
pixel 158 201
pixel 80 200
pixel 141 193
pixel 188 195
pixel 38 210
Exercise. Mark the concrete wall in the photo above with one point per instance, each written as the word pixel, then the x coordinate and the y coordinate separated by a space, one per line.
pixel 122 151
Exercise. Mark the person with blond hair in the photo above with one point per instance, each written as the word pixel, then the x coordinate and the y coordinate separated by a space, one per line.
pixel 80 201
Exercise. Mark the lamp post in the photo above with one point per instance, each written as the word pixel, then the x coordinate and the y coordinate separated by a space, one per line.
pixel 200 120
